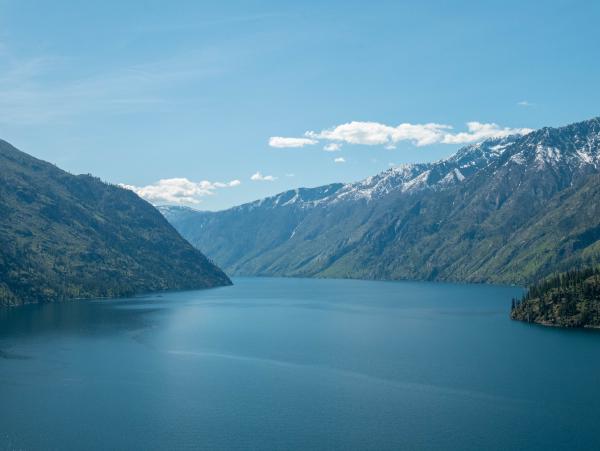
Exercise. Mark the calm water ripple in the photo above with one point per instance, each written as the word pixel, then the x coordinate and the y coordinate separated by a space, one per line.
pixel 296 364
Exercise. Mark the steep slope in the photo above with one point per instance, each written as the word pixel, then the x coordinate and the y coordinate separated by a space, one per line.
pixel 64 236
pixel 272 226
pixel 505 210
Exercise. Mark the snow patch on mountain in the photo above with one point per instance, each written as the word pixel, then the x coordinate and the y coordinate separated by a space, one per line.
pixel 538 150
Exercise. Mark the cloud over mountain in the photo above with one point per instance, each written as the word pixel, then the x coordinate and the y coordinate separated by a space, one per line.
pixel 258 177
pixel 332 147
pixel 281 142
pixel 178 190
pixel 378 134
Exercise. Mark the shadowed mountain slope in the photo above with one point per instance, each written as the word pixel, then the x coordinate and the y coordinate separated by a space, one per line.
pixel 64 236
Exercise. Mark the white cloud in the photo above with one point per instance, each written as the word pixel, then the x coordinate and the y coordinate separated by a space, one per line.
pixel 339 160
pixel 178 190
pixel 258 177
pixel 290 175
pixel 478 132
pixel 524 103
pixel 281 142
pixel 375 133
pixel 332 147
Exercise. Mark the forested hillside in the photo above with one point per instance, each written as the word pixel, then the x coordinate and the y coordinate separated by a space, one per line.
pixel 570 299
pixel 64 236
pixel 509 210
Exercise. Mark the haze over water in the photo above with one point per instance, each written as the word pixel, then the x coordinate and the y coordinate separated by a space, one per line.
pixel 296 364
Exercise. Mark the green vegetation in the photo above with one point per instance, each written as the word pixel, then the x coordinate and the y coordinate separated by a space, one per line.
pixel 517 216
pixel 64 236
pixel 570 299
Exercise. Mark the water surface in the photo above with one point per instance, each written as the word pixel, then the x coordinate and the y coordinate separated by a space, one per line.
pixel 296 364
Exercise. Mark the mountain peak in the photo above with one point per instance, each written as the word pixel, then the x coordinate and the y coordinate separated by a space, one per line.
pixel 504 210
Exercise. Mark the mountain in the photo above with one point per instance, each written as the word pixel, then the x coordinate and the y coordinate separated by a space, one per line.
pixel 66 236
pixel 507 210
pixel 570 299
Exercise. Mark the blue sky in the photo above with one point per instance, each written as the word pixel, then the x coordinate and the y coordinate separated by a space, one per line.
pixel 192 92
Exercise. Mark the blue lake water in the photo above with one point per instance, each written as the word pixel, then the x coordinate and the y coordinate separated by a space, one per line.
pixel 296 364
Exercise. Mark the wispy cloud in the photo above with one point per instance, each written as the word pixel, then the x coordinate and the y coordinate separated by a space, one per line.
pixel 258 177
pixel 478 132
pixel 339 160
pixel 281 142
pixel 192 23
pixel 178 190
pixel 375 133
pixel 31 93
pixel 332 147
pixel 524 103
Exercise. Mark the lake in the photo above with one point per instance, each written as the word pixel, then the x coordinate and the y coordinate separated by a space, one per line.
pixel 296 364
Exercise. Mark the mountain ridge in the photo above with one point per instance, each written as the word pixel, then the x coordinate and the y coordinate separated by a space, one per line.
pixel 473 217
pixel 65 236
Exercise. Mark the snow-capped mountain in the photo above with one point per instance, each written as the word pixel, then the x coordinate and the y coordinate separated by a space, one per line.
pixel 402 178
pixel 489 212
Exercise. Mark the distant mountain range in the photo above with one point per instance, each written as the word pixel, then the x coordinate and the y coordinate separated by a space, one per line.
pixel 508 210
pixel 64 236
